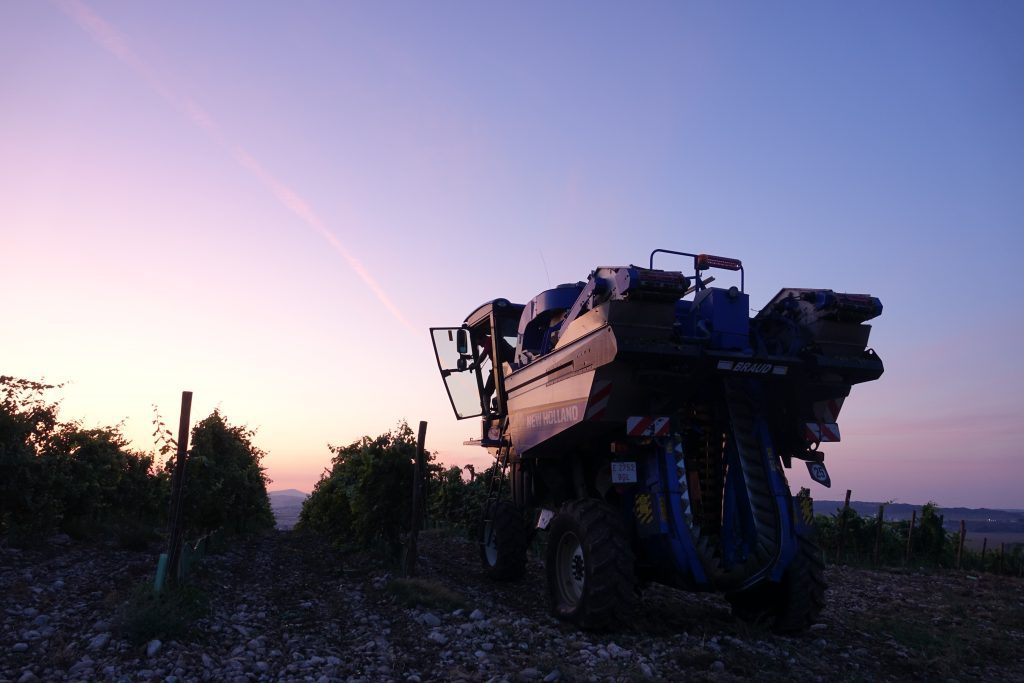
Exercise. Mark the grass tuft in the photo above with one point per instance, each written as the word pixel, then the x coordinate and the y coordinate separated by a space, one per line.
pixel 168 615
pixel 424 593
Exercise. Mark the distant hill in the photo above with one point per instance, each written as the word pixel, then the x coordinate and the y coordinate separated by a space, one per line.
pixel 286 504
pixel 288 493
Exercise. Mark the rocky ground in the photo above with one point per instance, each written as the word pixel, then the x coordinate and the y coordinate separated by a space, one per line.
pixel 286 607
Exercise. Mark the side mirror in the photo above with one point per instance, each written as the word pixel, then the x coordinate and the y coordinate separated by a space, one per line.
pixel 462 342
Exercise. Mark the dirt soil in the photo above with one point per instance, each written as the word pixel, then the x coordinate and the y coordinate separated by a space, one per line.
pixel 287 607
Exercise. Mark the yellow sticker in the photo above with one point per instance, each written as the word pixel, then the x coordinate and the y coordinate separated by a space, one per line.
pixel 642 509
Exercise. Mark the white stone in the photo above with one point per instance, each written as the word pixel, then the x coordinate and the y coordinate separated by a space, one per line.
pixel 617 652
pixel 80 666
pixel 99 642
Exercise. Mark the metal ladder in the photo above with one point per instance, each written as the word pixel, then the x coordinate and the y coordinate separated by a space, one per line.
pixel 498 474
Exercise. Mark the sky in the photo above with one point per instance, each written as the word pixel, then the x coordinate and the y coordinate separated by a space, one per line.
pixel 269 204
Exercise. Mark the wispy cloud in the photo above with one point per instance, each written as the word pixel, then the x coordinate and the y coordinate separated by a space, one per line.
pixel 297 205
pixel 113 41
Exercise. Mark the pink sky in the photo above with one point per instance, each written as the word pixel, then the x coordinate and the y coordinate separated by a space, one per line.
pixel 269 205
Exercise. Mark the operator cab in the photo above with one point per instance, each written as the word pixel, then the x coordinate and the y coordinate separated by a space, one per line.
pixel 466 358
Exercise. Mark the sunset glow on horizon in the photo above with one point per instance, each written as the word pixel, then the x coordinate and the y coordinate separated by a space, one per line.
pixel 269 205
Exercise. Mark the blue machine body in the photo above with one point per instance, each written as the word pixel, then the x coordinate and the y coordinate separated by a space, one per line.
pixel 663 397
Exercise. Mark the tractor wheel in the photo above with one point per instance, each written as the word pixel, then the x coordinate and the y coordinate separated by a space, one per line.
pixel 503 541
pixel 589 565
pixel 792 605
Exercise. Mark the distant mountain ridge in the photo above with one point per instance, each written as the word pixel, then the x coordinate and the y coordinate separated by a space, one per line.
pixel 287 493
pixel 286 504
pixel 900 511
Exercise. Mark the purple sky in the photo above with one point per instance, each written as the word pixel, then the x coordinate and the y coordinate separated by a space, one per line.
pixel 269 203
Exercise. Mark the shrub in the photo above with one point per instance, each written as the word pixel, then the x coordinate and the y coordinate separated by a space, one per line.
pixel 456 502
pixel 327 509
pixel 87 482
pixel 225 485
pixel 931 544
pixel 931 540
pixel 365 499
pixel 59 476
pixel 27 419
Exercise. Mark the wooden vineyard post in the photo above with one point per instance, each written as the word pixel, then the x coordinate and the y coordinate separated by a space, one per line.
pixel 842 528
pixel 178 489
pixel 984 547
pixel 417 502
pixel 910 536
pixel 960 545
pixel 878 532
pixel 1001 557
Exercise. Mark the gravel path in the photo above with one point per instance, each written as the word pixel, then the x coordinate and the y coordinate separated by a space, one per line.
pixel 285 607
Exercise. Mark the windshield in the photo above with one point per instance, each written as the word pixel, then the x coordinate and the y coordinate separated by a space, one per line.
pixel 459 372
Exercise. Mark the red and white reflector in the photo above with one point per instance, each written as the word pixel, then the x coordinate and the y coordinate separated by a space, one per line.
pixel 822 432
pixel 599 395
pixel 647 426
pixel 827 412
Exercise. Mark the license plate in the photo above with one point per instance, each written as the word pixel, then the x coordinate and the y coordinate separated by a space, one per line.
pixel 623 472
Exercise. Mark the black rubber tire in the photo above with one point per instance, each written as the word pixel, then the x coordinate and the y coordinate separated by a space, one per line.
pixel 503 553
pixel 589 566
pixel 793 604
